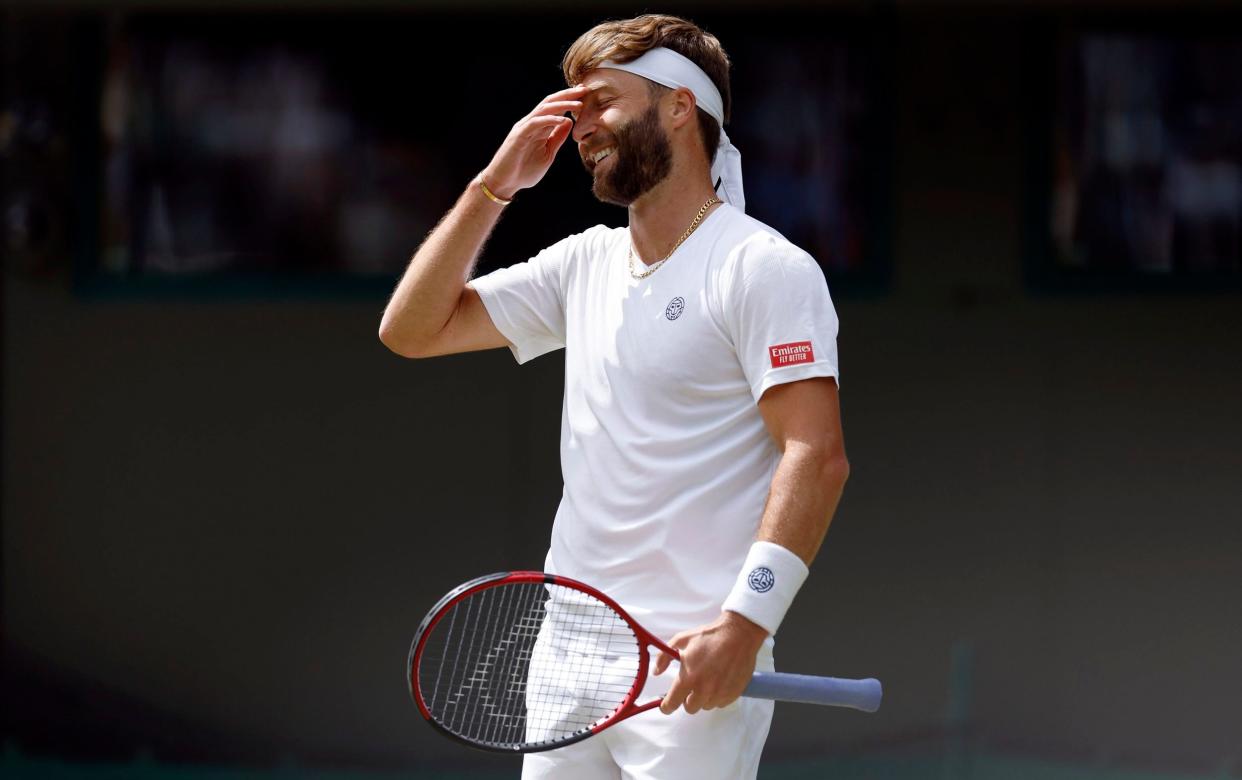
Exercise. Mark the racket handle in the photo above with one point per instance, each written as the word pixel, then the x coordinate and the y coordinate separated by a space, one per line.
pixel 831 691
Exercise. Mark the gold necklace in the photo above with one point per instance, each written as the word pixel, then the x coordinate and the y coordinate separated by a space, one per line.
pixel 656 266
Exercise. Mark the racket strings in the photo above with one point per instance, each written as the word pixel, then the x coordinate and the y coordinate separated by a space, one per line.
pixel 525 663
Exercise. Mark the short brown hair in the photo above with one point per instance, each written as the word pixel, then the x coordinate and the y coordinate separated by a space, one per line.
pixel 627 40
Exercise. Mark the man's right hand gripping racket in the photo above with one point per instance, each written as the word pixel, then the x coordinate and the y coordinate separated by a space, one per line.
pixel 520 662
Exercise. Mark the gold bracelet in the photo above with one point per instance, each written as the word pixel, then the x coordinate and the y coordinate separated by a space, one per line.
pixel 490 195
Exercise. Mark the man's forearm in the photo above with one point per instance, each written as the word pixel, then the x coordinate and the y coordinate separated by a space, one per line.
pixel 801 501
pixel 432 285
pixel 803 497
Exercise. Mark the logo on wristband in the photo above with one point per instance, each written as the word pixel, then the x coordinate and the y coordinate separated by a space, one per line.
pixel 761 579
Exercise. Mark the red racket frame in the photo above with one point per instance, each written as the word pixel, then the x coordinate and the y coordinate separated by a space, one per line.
pixel 627 708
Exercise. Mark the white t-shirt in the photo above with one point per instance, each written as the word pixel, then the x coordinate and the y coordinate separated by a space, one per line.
pixel 666 460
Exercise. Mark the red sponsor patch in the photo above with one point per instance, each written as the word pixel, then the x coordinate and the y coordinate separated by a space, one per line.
pixel 792 353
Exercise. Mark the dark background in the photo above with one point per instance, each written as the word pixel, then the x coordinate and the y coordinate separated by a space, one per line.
pixel 226 506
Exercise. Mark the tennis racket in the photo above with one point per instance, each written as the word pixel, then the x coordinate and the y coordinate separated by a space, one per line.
pixel 519 662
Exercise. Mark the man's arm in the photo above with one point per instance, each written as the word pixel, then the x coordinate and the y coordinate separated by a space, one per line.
pixel 434 311
pixel 804 419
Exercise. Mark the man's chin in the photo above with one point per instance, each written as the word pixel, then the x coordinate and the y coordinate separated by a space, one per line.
pixel 606 194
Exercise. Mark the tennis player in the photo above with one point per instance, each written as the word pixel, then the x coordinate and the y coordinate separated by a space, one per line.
pixel 701 441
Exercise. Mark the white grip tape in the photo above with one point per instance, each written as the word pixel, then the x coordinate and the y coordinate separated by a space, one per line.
pixel 767 584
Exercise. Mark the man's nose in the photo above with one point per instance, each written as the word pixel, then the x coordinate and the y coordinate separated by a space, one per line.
pixel 584 128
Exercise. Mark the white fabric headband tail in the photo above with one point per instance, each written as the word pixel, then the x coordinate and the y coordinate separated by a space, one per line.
pixel 670 69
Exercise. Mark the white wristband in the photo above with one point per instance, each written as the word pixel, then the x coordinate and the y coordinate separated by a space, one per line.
pixel 767 584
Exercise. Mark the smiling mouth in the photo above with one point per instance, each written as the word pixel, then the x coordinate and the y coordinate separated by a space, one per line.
pixel 601 155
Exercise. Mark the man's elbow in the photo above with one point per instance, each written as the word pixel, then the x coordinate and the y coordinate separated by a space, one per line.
pixel 832 465
pixel 400 344
pixel 836 467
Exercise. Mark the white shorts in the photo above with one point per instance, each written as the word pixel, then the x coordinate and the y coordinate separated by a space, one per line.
pixel 723 743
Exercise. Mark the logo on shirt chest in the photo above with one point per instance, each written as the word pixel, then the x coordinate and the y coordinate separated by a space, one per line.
pixel 675 308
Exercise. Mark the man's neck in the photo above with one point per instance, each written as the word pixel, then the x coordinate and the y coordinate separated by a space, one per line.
pixel 660 217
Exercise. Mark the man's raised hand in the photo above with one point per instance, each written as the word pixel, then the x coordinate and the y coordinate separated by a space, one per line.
pixel 527 152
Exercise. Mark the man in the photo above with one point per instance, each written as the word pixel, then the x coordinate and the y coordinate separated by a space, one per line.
pixel 701 441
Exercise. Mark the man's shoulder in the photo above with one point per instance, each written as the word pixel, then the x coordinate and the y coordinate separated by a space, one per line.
pixel 595 239
pixel 748 241
pixel 579 250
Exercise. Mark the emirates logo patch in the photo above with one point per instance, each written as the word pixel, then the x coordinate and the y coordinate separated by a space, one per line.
pixel 790 354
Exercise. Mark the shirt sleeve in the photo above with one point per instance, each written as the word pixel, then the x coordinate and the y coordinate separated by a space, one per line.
pixel 527 301
pixel 779 314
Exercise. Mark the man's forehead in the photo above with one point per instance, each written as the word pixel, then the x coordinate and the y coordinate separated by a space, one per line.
pixel 613 80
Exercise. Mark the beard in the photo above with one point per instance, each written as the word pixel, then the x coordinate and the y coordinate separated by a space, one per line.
pixel 643 158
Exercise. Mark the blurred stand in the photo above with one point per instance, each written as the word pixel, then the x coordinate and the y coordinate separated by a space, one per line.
pixel 226 153
pixel 1149 152
pixel 325 146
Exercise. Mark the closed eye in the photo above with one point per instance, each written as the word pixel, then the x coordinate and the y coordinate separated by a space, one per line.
pixel 597 103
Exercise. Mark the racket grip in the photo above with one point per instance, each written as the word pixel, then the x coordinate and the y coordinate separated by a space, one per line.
pixel 862 695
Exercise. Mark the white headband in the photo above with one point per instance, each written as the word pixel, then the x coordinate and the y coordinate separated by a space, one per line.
pixel 670 69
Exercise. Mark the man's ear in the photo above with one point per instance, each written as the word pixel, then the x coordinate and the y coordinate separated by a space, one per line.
pixel 682 106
